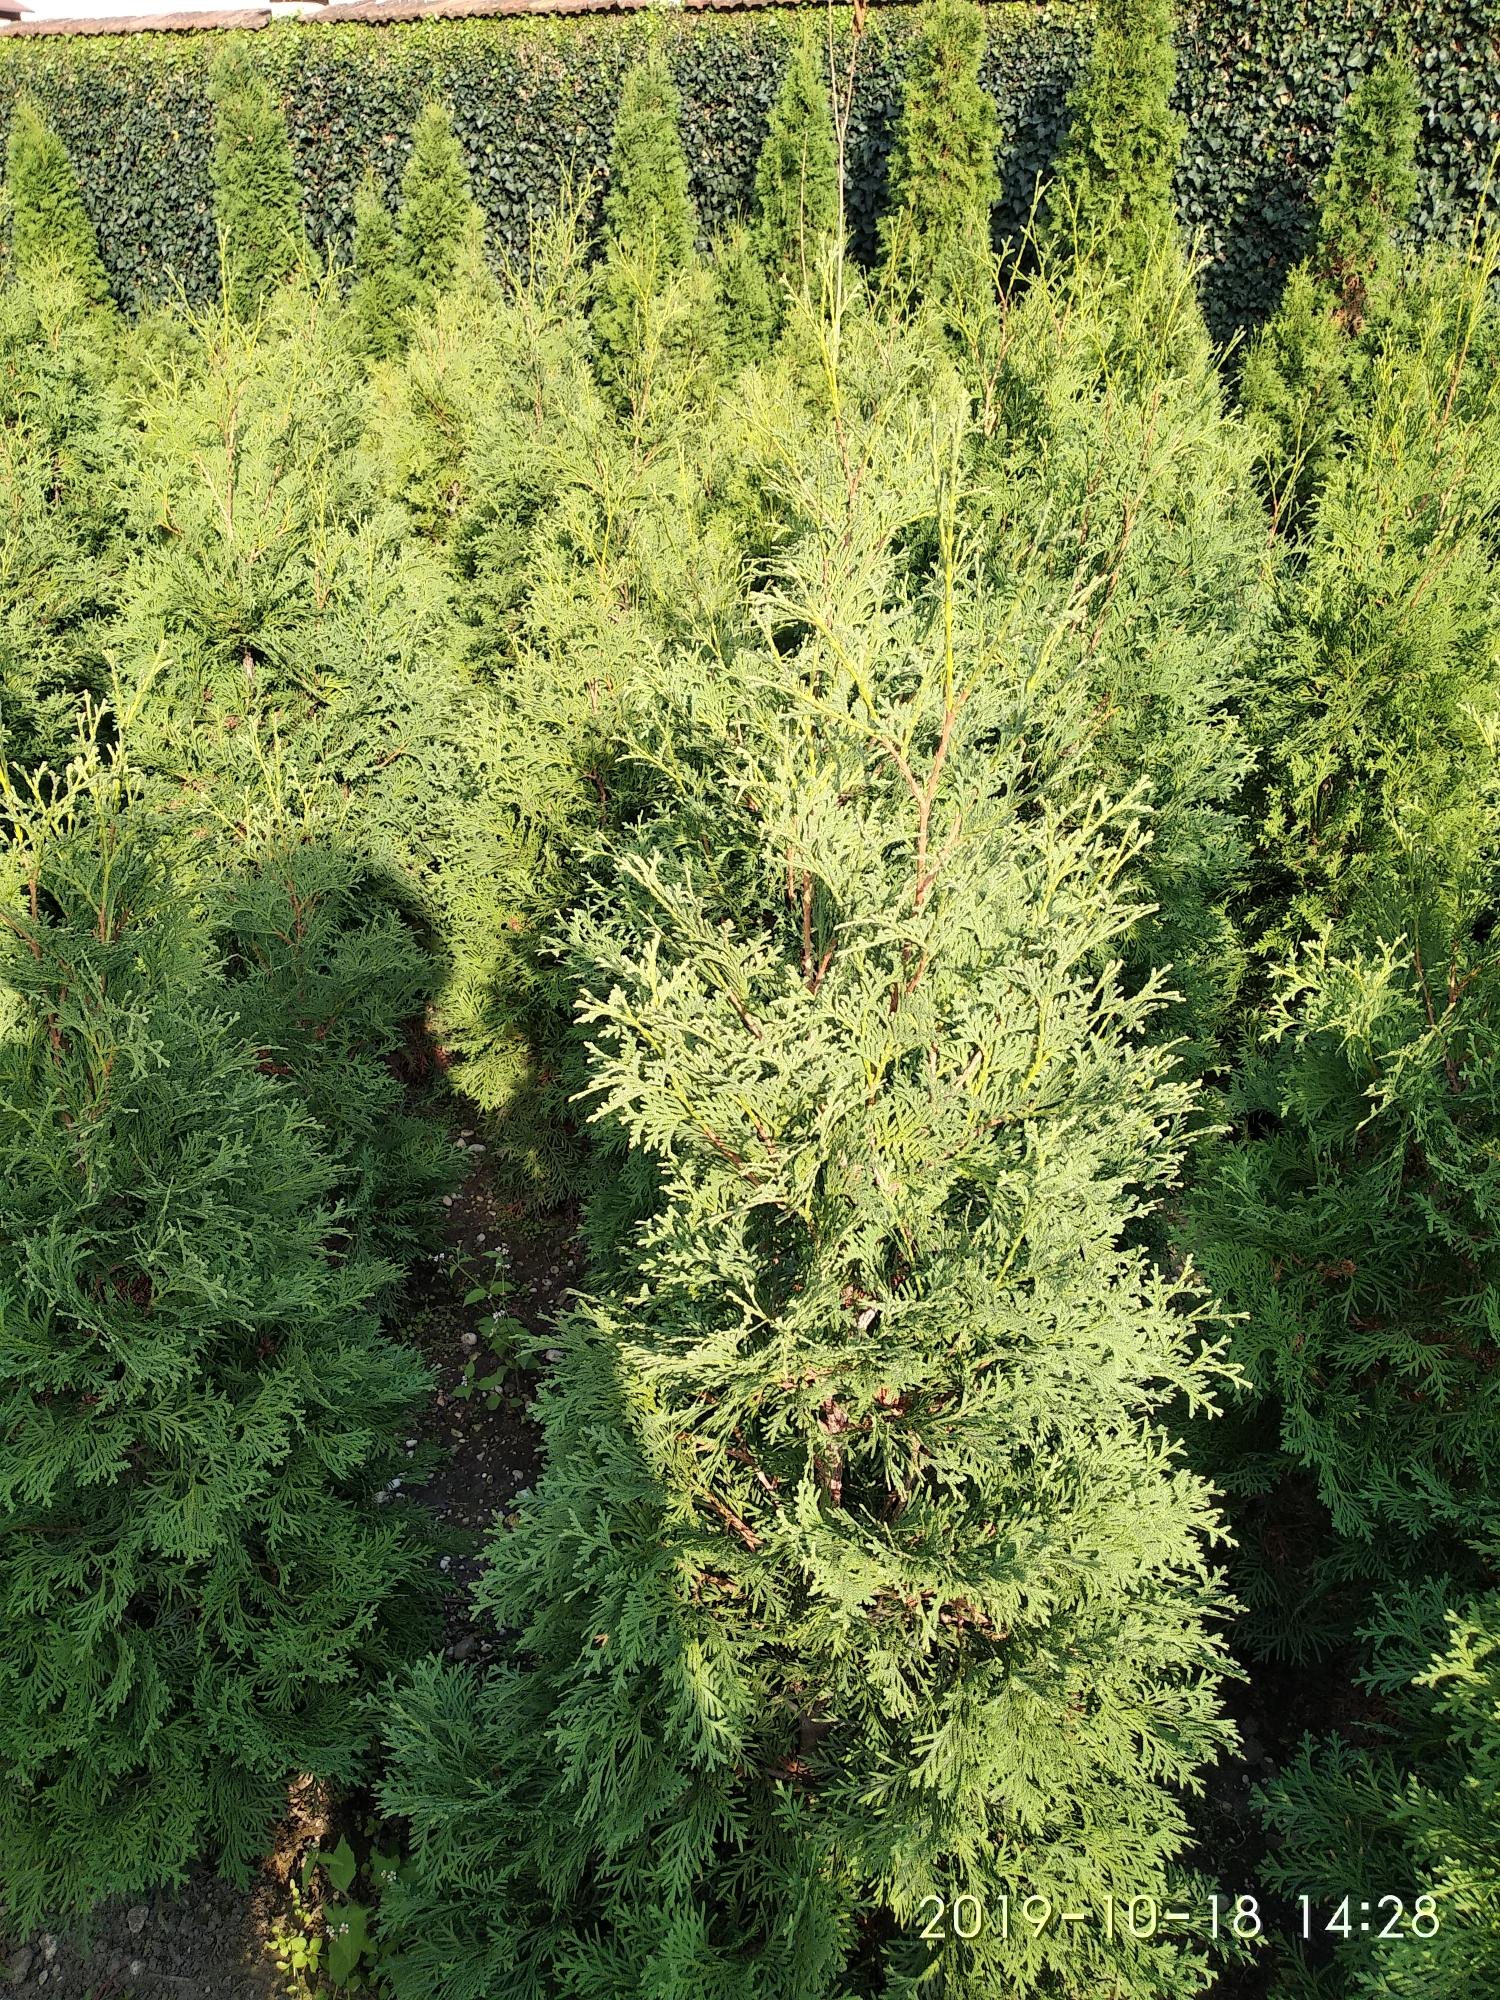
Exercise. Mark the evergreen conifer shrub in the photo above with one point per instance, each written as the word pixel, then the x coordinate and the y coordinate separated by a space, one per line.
pixel 1411 1818
pixel 943 180
pixel 579 539
pixel 383 291
pixel 50 229
pixel 331 985
pixel 1350 1216
pixel 1117 488
pixel 1113 183
pixel 1305 370
pixel 197 1400
pixel 66 479
pixel 797 173
pixel 649 224
pixel 439 220
pixel 257 197
pixel 746 309
pixel 283 629
pixel 864 1571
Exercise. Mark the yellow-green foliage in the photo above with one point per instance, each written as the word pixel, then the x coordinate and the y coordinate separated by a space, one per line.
pixel 50 228
pixel 845 778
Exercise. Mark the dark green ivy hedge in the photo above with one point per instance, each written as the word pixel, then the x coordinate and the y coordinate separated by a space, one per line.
pixel 1261 82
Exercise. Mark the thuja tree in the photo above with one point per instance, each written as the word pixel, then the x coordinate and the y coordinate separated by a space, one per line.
pixel 578 540
pixel 382 292
pixel 280 602
pixel 298 699
pixel 199 1404
pixel 796 175
pixel 943 184
pixel 1351 1215
pixel 864 1570
pixel 1113 183
pixel 65 489
pixel 50 229
pixel 649 223
pixel 1304 369
pixel 1118 491
pixel 257 197
pixel 439 222
pixel 746 305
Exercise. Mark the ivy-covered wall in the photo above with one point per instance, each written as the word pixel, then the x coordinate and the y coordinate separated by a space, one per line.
pixel 1261 82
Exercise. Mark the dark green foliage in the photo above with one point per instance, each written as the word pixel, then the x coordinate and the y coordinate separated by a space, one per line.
pixel 382 292
pixel 257 197
pixel 1351 1216
pixel 1113 186
pixel 935 233
pixel 1309 364
pixel 533 100
pixel 647 208
pixel 329 987
pixel 439 223
pixel 1369 191
pixel 796 176
pixel 1256 152
pixel 844 778
pixel 1417 1811
pixel 197 1401
pixel 50 229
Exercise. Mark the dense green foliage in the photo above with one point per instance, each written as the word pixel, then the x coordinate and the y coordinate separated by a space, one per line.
pixel 382 289
pixel 935 233
pixel 533 105
pixel 800 1434
pixel 649 229
pixel 1311 361
pixel 1350 1211
pixel 49 225
pixel 1114 178
pixel 439 224
pixel 199 1403
pixel 797 175
pixel 257 200
pixel 64 478
pixel 943 826
pixel 1418 1809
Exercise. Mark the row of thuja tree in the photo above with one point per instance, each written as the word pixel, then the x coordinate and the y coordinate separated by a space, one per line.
pixel 969 848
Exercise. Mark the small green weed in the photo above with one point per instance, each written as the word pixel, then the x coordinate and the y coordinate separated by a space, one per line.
pixel 503 1333
pixel 324 1944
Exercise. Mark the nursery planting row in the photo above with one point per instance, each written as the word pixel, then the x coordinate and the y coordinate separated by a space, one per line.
pixel 948 830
